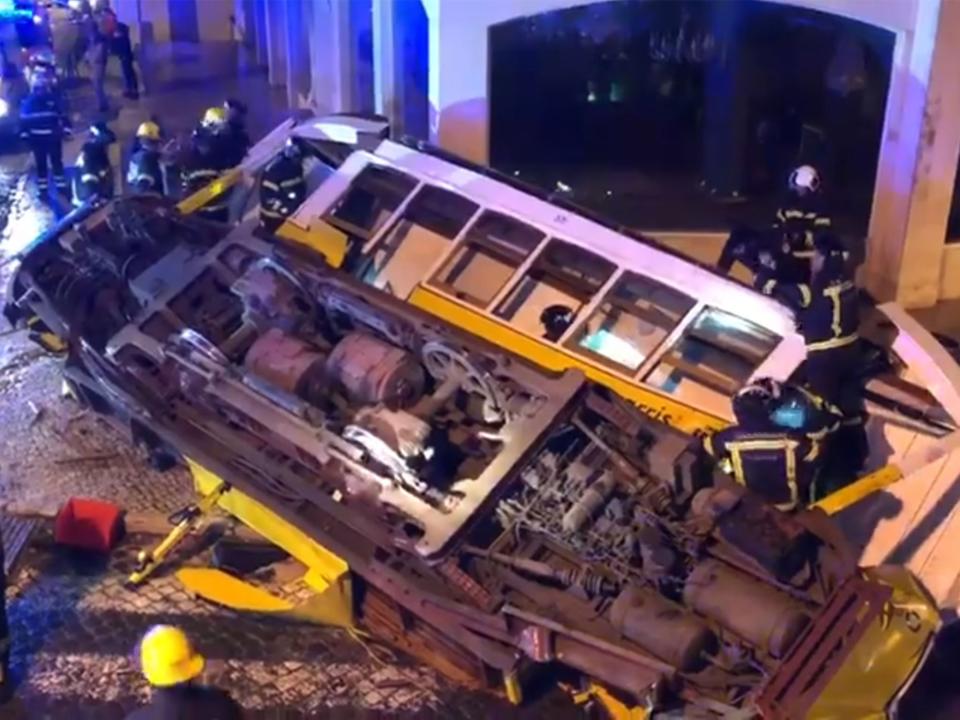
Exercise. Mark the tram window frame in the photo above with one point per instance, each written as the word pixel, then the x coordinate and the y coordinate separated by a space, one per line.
pixel 478 240
pixel 573 285
pixel 428 204
pixel 701 374
pixel 382 214
pixel 615 303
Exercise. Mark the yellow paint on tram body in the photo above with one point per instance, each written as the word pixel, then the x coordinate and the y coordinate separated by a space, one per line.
pixel 321 238
pixel 652 403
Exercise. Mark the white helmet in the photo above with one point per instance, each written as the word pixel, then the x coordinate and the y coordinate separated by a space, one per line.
pixel 806 178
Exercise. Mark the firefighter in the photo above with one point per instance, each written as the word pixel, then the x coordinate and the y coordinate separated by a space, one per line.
pixel 93 175
pixel 238 139
pixel 44 121
pixel 801 216
pixel 828 312
pixel 778 464
pixel 145 170
pixel 108 36
pixel 171 665
pixel 283 187
pixel 205 162
pixel 743 245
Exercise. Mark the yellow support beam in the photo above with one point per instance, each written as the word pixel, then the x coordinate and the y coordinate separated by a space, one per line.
pixel 858 490
pixel 207 193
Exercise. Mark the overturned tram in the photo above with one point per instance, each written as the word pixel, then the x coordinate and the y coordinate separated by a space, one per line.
pixel 496 518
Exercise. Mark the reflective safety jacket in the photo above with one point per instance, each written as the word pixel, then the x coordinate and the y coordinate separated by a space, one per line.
pixel 800 218
pixel 144 173
pixel 802 410
pixel 282 188
pixel 44 116
pixel 93 176
pixel 200 170
pixel 828 313
pixel 779 466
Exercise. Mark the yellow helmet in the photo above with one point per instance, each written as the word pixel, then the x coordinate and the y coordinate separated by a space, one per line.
pixel 148 131
pixel 167 657
pixel 214 116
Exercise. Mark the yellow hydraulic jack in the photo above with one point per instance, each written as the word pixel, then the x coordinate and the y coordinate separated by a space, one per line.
pixel 184 521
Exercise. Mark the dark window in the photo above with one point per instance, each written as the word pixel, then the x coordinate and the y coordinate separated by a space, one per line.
pixel 421 236
pixel 678 114
pixel 491 251
pixel 562 279
pixel 634 318
pixel 373 196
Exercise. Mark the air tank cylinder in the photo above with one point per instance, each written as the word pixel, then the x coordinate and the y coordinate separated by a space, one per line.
pixel 589 503
pixel 662 628
pixel 371 371
pixel 289 364
pixel 758 613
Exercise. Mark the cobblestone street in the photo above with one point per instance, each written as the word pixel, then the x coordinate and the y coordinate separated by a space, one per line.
pixel 75 626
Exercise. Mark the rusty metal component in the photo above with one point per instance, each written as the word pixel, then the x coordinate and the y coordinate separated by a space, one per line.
pixel 662 628
pixel 590 582
pixel 811 664
pixel 756 612
pixel 592 499
pixel 445 363
pixel 772 540
pixel 288 363
pixel 373 372
pixel 272 298
pixel 470 587
pixel 405 433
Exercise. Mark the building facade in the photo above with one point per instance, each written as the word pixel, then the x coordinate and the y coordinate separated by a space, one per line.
pixel 460 74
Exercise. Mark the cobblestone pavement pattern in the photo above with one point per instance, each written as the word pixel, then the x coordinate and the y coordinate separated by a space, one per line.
pixel 75 627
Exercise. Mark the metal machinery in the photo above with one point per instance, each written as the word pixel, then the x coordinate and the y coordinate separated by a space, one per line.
pixel 495 517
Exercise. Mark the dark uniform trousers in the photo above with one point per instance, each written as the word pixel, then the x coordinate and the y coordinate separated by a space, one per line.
pixel 779 466
pixel 829 317
pixel 189 702
pixel 282 190
pixel 43 119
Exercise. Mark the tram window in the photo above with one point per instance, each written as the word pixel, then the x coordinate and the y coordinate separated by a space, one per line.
pixel 633 319
pixel 562 279
pixel 422 235
pixel 490 253
pixel 713 359
pixel 373 196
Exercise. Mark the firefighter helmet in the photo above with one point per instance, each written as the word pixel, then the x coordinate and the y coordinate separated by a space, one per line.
pixel 214 117
pixel 148 130
pixel 805 178
pixel 753 403
pixel 167 657
pixel 292 149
